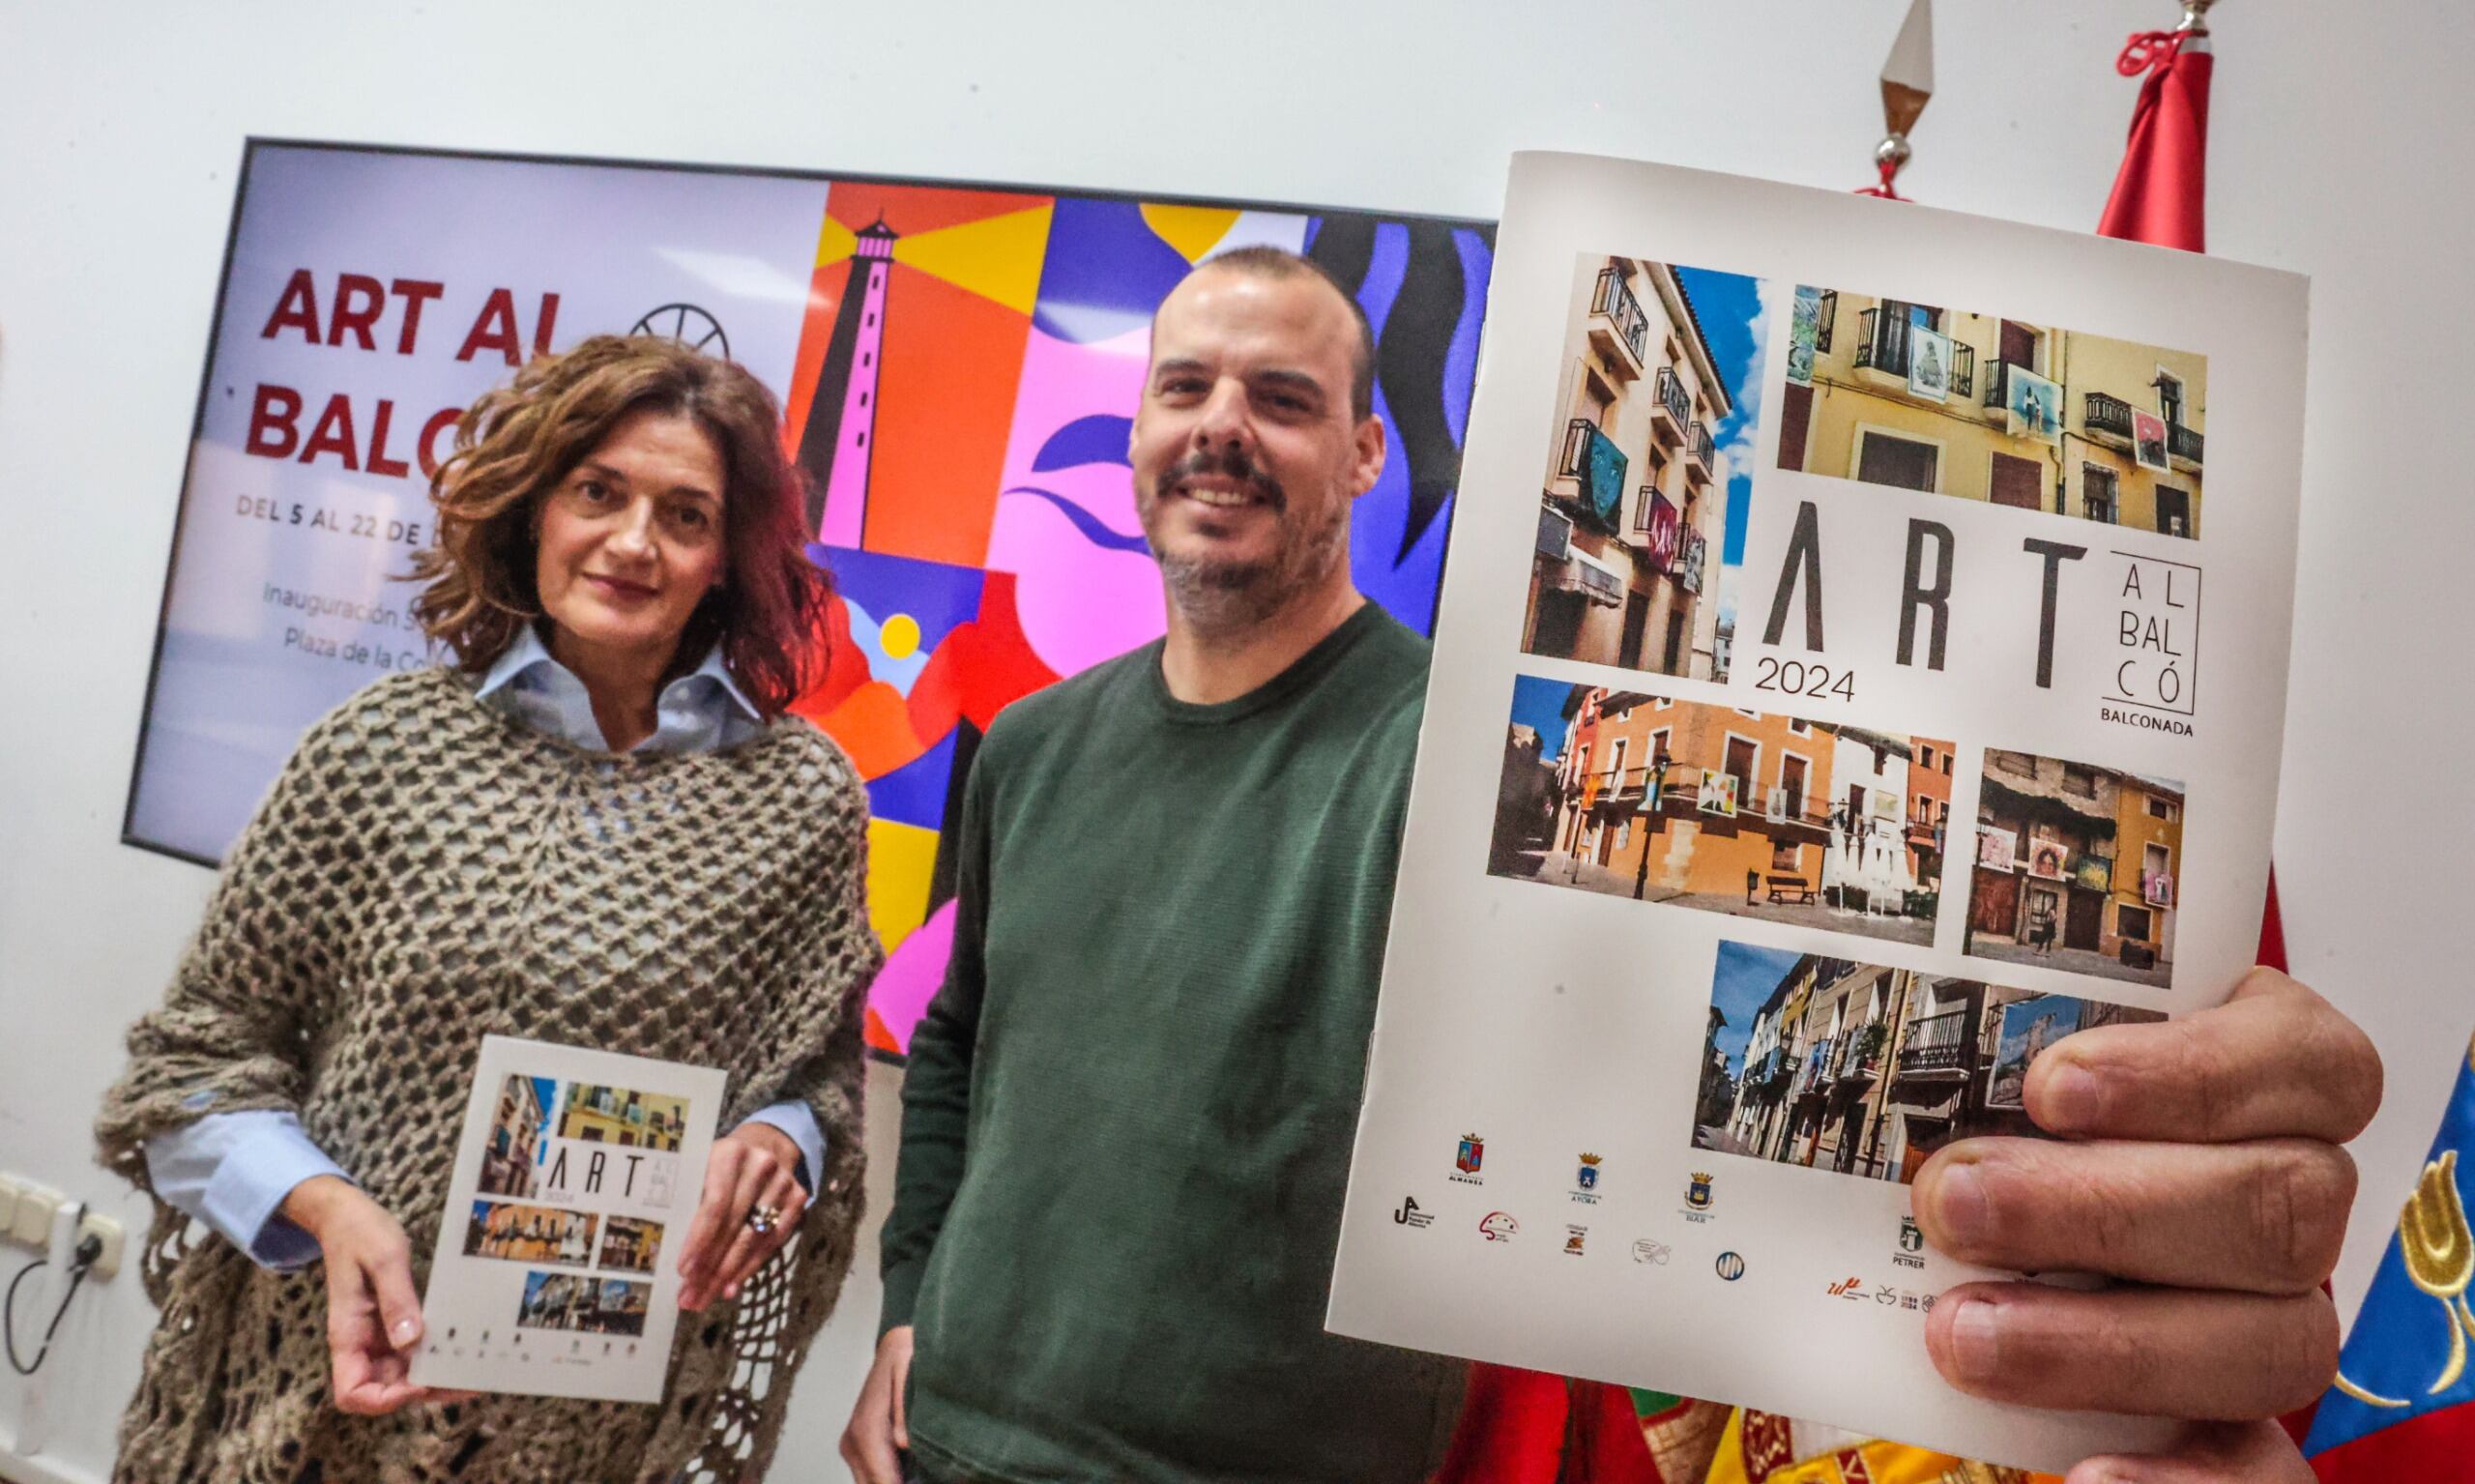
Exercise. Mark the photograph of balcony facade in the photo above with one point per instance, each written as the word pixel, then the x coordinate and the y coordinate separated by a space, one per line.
pixel 2075 868
pixel 1867 1070
pixel 1632 521
pixel 1861 417
pixel 1718 809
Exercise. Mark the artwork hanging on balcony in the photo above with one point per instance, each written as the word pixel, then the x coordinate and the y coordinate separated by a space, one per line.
pixel 2148 441
pixel 1804 330
pixel 1996 849
pixel 1929 365
pixel 2028 1027
pixel 2035 405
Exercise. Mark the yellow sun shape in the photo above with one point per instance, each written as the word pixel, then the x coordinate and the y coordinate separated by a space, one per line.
pixel 900 636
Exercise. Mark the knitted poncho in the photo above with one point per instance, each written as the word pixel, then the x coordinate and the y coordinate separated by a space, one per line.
pixel 424 872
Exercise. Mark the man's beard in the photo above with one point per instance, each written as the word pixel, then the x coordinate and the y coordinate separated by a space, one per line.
pixel 1218 596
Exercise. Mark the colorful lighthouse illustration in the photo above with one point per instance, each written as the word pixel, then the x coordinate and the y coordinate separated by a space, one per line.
pixel 838 442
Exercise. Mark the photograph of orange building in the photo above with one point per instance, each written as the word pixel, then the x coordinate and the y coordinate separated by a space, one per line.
pixel 2075 868
pixel 1721 809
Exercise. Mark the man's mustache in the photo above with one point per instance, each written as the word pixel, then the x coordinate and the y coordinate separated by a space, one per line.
pixel 1232 465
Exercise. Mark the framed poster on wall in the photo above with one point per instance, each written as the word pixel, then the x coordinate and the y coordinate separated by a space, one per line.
pixel 958 366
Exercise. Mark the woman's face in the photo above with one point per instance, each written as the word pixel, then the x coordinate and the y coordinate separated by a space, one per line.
pixel 631 541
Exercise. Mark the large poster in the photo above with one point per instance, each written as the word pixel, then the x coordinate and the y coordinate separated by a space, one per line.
pixel 1750 942
pixel 958 366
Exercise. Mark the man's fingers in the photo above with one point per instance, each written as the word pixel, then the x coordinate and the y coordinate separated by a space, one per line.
pixel 865 1446
pixel 2209 1453
pixel 2261 1217
pixel 2276 1061
pixel 2155 1351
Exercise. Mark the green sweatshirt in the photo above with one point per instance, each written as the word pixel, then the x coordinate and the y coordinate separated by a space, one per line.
pixel 1128 1117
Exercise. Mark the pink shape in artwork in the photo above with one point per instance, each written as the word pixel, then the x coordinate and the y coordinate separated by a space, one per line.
pixel 911 977
pixel 846 492
pixel 1080 603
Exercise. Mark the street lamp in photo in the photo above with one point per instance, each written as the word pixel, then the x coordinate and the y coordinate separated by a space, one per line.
pixel 1651 798
pixel 1579 791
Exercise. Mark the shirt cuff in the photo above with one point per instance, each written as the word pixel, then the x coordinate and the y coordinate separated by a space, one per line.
pixel 245 1196
pixel 901 1293
pixel 798 1121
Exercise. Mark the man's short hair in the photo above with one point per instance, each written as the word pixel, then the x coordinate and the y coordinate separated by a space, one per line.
pixel 1269 262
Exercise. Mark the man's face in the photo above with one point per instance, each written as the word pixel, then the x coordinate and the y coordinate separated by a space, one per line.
pixel 1246 454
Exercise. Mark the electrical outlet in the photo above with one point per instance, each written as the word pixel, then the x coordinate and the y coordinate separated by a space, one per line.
pixel 10 1186
pixel 111 1235
pixel 35 1207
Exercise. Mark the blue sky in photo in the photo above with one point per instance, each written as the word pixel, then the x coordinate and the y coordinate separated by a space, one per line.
pixel 1541 704
pixel 1731 307
pixel 1745 977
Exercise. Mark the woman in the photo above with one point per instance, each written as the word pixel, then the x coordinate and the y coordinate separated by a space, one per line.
pixel 598 827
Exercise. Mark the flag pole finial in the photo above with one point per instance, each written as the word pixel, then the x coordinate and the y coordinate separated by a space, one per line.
pixel 1907 85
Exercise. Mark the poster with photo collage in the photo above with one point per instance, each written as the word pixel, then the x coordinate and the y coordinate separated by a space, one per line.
pixel 555 1268
pixel 1724 905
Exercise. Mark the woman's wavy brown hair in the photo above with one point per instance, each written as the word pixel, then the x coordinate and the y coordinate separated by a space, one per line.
pixel 517 442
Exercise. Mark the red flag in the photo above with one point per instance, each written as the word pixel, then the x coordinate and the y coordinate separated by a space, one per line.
pixel 2161 195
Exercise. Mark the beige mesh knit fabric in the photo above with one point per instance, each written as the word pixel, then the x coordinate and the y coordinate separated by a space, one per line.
pixel 427 871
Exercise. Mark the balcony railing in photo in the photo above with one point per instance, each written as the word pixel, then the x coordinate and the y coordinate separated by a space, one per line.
pixel 1677 405
pixel 1700 450
pixel 1612 298
pixel 2109 414
pixel 1937 1043
pixel 1885 344
pixel 2184 444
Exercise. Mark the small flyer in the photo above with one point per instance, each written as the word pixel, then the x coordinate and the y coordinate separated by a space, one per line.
pixel 556 1269
pixel 1862 664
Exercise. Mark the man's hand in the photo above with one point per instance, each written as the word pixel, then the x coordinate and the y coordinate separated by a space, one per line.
pixel 373 1315
pixel 2201 1168
pixel 877 1425
pixel 753 1163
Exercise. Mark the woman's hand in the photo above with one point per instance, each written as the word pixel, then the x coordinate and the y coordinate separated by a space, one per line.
pixel 373 1316
pixel 752 1165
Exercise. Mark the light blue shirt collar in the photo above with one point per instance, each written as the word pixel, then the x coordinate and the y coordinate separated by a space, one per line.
pixel 703 711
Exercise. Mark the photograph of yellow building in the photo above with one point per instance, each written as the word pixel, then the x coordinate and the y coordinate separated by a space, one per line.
pixel 1638 486
pixel 1917 396
pixel 622 1116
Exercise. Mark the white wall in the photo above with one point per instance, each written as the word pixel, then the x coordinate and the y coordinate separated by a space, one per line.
pixel 121 127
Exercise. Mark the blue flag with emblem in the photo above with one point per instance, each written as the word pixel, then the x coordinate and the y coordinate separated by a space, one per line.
pixel 2404 1406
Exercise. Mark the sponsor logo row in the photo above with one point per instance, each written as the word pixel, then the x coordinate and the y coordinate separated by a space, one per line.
pixel 1699 1197
pixel 1504 1227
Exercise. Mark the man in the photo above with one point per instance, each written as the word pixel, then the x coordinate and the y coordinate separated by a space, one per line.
pixel 1128 1113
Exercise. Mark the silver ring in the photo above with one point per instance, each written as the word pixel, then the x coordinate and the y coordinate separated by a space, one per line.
pixel 763 1219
